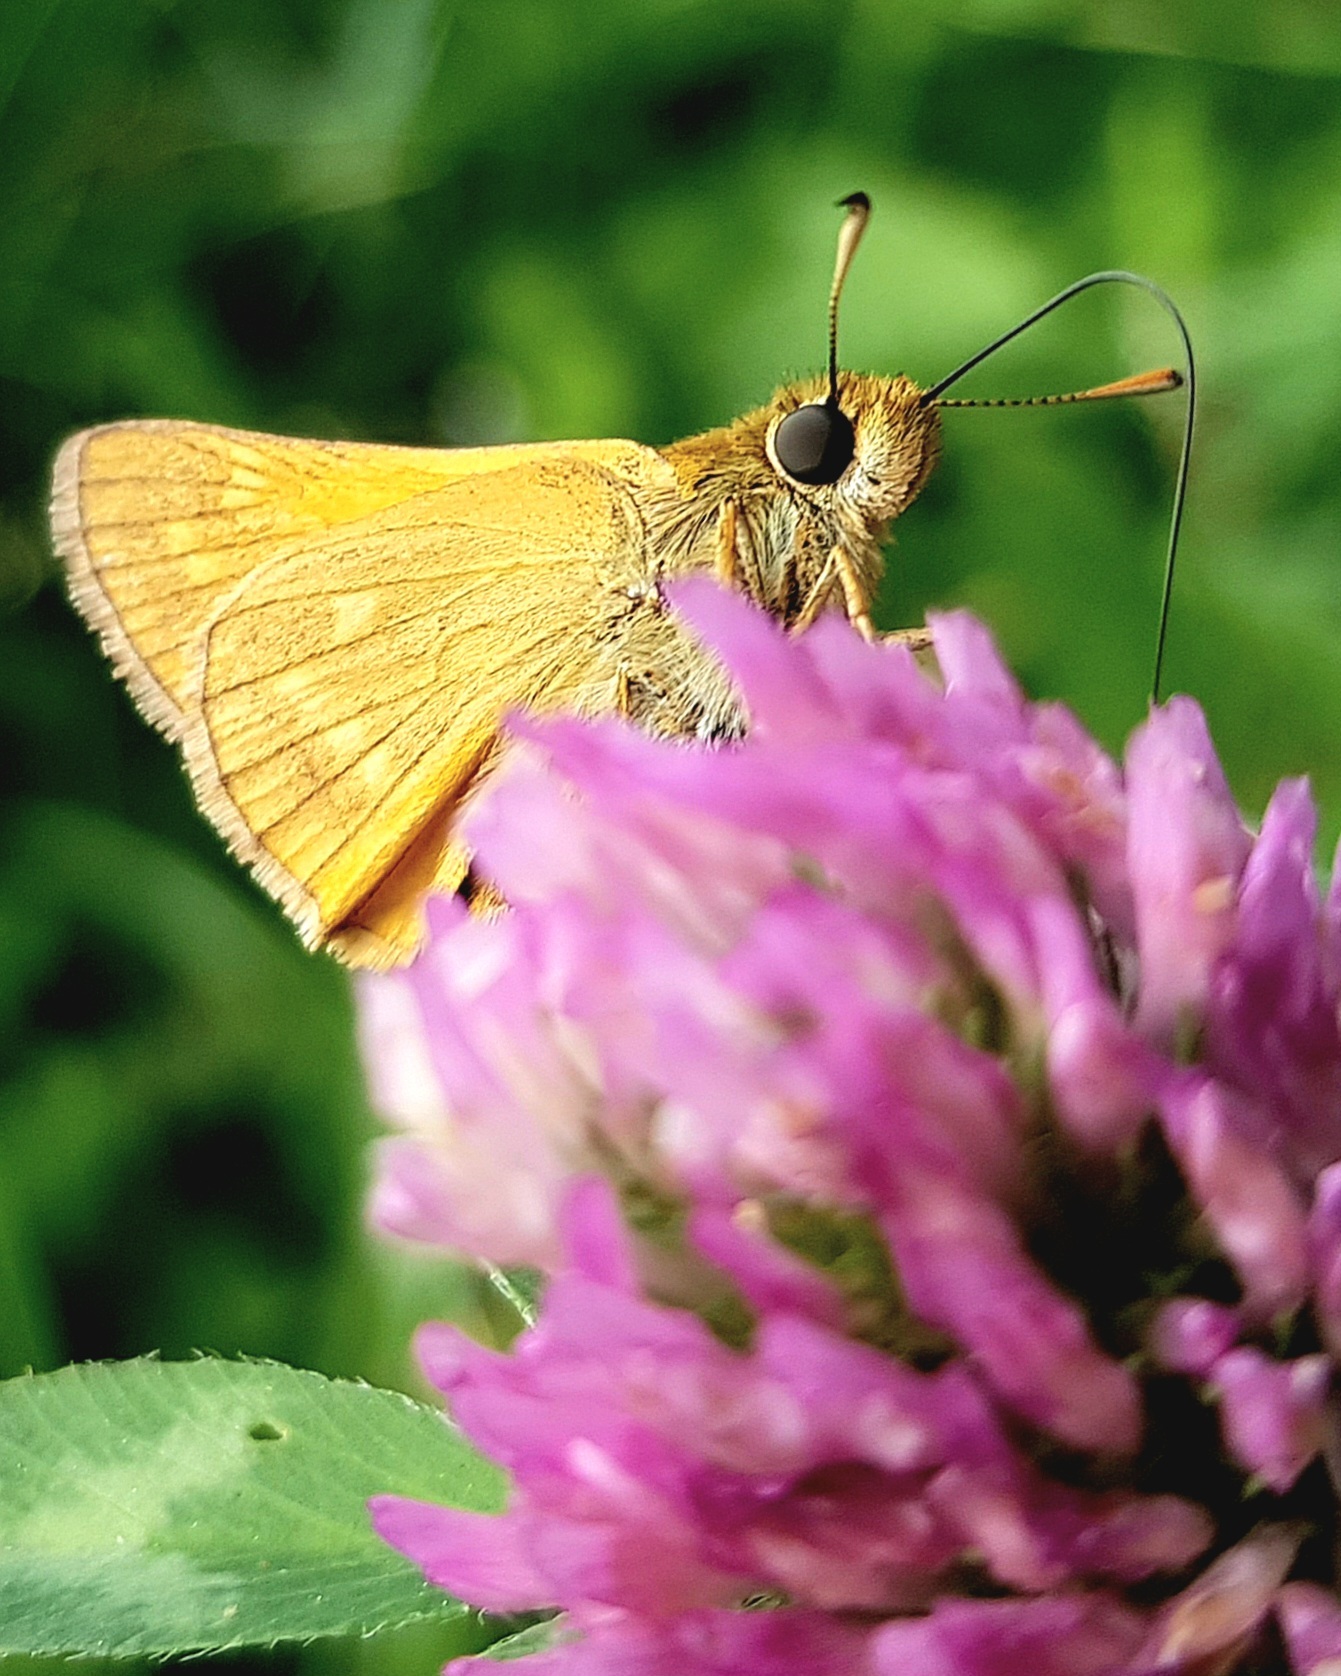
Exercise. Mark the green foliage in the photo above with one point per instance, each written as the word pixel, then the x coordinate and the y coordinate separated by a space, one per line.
pixel 154 1507
pixel 458 221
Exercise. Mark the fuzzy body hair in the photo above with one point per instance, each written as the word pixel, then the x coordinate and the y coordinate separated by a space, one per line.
pixel 786 534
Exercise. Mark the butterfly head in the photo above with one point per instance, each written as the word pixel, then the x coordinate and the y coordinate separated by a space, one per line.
pixel 863 456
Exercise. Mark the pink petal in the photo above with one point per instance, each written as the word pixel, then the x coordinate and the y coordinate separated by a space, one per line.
pixel 477 1557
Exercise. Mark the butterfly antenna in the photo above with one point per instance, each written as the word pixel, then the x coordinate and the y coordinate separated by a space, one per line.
pixel 1140 384
pixel 1143 384
pixel 858 207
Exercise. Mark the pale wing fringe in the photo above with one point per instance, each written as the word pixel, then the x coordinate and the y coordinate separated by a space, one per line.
pixel 91 599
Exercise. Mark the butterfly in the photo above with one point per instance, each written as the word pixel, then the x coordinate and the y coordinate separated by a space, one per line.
pixel 331 632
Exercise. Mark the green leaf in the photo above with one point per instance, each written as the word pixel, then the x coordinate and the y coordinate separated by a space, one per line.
pixel 154 1507
pixel 541 1637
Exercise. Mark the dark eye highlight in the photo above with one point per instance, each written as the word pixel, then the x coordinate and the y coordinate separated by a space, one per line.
pixel 816 443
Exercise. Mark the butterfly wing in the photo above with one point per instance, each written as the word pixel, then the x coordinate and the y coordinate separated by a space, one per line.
pixel 333 632
pixel 158 522
pixel 352 688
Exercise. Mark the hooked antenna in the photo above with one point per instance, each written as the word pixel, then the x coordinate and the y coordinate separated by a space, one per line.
pixel 1146 384
pixel 858 207
pixel 1139 384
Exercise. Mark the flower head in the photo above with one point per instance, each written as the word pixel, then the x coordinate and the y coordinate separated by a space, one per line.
pixel 930 1132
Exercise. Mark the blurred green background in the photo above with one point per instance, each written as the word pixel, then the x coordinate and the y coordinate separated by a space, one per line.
pixel 419 221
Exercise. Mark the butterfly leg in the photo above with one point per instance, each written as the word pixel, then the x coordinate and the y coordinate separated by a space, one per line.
pixel 817 598
pixel 916 640
pixel 855 594
pixel 728 550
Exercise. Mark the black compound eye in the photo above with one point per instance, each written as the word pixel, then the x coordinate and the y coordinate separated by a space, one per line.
pixel 816 443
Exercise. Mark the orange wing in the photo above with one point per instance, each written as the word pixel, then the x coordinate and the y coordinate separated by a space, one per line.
pixel 158 521
pixel 332 631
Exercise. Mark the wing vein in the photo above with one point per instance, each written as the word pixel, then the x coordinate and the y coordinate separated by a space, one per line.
pixel 330 725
